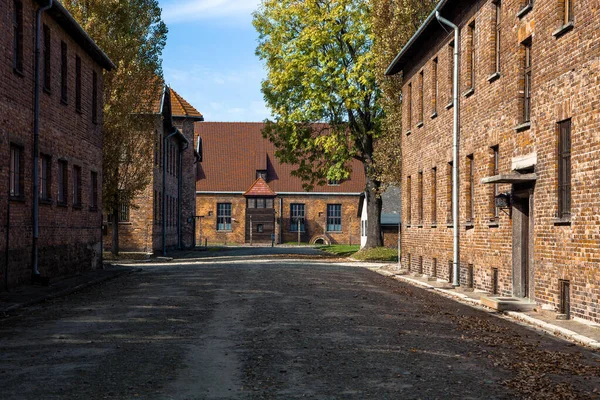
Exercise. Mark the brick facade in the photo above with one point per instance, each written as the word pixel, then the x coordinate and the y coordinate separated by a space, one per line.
pixel 565 76
pixel 70 132
pixel 235 155
pixel 143 231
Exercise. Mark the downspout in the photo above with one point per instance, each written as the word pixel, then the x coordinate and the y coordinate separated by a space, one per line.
pixel 179 186
pixel 455 160
pixel 36 143
pixel 164 194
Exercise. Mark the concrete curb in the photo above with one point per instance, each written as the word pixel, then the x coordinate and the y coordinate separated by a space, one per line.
pixel 554 330
pixel 68 290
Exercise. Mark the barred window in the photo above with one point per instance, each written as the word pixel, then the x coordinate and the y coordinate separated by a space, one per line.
pixel 64 73
pixel 63 182
pixel 296 217
pixel 334 217
pixel 564 169
pixel 434 195
pixel 94 190
pixel 76 186
pixel 45 176
pixel 18 35
pixel 527 83
pixel 16 171
pixel 47 59
pixel 78 84
pixel 223 216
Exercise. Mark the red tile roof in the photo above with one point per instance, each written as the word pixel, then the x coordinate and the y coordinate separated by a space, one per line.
pixel 234 151
pixel 179 106
pixel 260 188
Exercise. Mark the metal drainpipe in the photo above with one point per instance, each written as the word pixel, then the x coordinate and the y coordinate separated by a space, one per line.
pixel 164 194
pixel 179 184
pixel 36 142
pixel 455 160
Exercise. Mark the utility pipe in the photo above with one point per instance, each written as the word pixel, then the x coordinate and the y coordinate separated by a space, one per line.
pixel 455 160
pixel 36 142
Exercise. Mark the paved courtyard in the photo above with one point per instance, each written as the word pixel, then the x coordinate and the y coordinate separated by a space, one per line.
pixel 260 328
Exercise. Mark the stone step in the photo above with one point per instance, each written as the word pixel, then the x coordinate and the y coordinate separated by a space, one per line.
pixel 501 303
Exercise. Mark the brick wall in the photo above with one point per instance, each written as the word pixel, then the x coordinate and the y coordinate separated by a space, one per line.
pixel 566 84
pixel 69 236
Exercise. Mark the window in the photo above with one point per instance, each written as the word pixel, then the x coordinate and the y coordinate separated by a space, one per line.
pixel 449 179
pixel 94 97
pixel 124 213
pixel 76 186
pixel 261 173
pixel 260 228
pixel 260 203
pixel 18 35
pixel 567 12
pixel 409 198
pixel 434 88
pixel 434 195
pixel 155 207
pixel 160 207
pixel 409 107
pixel 497 12
pixel 296 217
pixel 94 191
pixel 420 194
pixel 64 73
pixel 495 171
pixel 47 83
pixel 527 82
pixel 451 73
pixel 45 176
pixel 63 179
pixel 16 171
pixel 421 96
pixel 333 182
pixel 224 216
pixel 471 56
pixel 564 169
pixel 334 217
pixel 251 202
pixel 470 190
pixel 78 83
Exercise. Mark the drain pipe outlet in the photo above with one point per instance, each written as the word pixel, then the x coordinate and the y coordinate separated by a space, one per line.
pixel 36 142
pixel 455 159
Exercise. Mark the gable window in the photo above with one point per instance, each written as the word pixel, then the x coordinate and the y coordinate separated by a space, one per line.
pixel 261 173
pixel 471 189
pixel 434 88
pixel 334 217
pixel 16 171
pixel 77 83
pixel 63 179
pixel 47 82
pixel 94 97
pixel 223 216
pixel 409 198
pixel 64 73
pixel 434 195
pixel 296 217
pixel 18 35
pixel 564 169
pixel 333 182
pixel 76 186
pixel 527 82
pixel 45 176
pixel 94 192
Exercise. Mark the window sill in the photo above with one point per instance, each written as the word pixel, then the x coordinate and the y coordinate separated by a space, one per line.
pixel 78 110
pixel 493 77
pixel 297 231
pixel 523 127
pixel 420 124
pixel 18 72
pixel 449 225
pixel 563 29
pixel 64 205
pixel 409 225
pixel 434 115
pixel 469 225
pixel 449 105
pixel 64 102
pixel 47 202
pixel 77 207
pixel 408 132
pixel 334 231
pixel 564 221
pixel 93 209
pixel 419 225
pixel 224 231
pixel 17 199
pixel 524 10
pixel 493 223
pixel 433 225
pixel 469 92
pixel 48 91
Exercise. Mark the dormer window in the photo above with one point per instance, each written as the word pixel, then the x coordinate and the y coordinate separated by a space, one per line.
pixel 261 173
pixel 333 182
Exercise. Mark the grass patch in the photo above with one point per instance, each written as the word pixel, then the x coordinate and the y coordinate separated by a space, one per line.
pixel 377 254
pixel 342 250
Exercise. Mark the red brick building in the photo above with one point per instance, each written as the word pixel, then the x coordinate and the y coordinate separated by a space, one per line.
pixel 529 137
pixel 244 192
pixel 168 204
pixel 64 132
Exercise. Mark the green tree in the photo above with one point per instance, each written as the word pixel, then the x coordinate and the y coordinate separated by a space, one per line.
pixel 321 69
pixel 133 36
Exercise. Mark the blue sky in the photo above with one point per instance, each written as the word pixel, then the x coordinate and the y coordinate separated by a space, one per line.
pixel 209 58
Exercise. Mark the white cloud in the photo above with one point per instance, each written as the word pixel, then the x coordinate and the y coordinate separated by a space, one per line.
pixel 190 10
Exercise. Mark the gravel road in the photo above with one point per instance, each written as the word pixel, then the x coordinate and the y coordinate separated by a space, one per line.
pixel 276 329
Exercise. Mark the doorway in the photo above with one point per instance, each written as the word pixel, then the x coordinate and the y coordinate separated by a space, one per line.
pixel 522 243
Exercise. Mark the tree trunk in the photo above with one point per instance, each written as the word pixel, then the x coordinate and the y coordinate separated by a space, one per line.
pixel 374 203
pixel 115 228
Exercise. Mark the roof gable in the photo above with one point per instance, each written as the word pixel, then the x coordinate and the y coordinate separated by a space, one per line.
pixel 260 188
